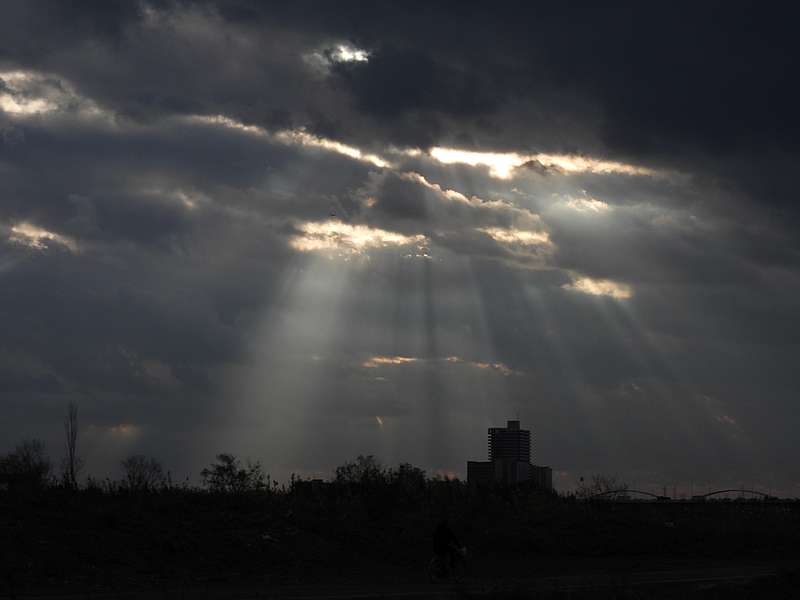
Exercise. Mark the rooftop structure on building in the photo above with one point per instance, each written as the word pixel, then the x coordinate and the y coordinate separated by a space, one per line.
pixel 509 460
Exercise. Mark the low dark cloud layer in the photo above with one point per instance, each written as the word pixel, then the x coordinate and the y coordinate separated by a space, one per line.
pixel 224 226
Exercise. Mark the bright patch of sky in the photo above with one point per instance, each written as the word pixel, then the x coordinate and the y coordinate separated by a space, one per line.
pixel 380 360
pixel 30 93
pixel 344 238
pixel 589 205
pixel 600 287
pixel 38 238
pixel 517 236
pixel 323 59
pixel 293 137
pixel 348 53
pixel 502 164
pixel 375 361
pixel 303 138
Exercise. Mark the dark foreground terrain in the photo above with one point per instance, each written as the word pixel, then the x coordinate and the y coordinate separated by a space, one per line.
pixel 328 540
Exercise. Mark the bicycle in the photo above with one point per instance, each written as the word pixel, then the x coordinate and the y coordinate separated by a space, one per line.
pixel 439 571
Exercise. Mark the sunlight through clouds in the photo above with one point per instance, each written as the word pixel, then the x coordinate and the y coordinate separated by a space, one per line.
pixel 24 106
pixel 302 138
pixel 292 137
pixel 589 205
pixel 321 60
pixel 499 367
pixel 38 238
pixel 224 225
pixel 379 361
pixel 31 93
pixel 600 287
pixel 375 361
pixel 124 433
pixel 124 430
pixel 342 237
pixel 228 122
pixel 18 100
pixel 347 53
pixel 517 236
pixel 447 193
pixel 502 164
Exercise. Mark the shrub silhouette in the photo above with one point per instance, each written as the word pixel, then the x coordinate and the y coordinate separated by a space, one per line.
pixel 26 466
pixel 599 484
pixel 143 474
pixel 365 470
pixel 409 480
pixel 229 476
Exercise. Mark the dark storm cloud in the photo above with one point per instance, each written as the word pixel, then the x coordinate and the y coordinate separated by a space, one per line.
pixel 654 83
pixel 133 182
pixel 718 76
pixel 395 82
pixel 150 264
pixel 657 83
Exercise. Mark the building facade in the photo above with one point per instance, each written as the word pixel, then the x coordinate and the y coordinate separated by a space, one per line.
pixel 509 460
pixel 510 443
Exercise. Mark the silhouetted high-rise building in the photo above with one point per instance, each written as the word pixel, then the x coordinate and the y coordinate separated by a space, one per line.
pixel 509 460
pixel 510 443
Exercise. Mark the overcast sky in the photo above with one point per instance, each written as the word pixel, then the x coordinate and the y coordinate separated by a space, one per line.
pixel 302 231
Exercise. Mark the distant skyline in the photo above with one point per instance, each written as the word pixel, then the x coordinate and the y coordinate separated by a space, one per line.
pixel 299 232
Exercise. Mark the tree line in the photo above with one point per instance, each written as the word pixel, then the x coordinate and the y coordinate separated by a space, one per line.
pixel 28 466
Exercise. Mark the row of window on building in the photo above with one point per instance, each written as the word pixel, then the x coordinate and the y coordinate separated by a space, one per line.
pixel 509 460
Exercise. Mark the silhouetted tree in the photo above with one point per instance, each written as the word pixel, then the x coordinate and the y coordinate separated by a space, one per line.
pixel 142 473
pixel 364 470
pixel 72 464
pixel 27 464
pixel 227 475
pixel 410 479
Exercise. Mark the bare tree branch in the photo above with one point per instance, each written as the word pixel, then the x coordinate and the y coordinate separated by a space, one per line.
pixel 72 462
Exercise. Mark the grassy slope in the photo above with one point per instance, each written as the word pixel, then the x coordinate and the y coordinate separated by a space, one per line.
pixel 61 540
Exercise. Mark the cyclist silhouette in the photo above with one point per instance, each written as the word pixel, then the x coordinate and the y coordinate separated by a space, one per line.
pixel 445 543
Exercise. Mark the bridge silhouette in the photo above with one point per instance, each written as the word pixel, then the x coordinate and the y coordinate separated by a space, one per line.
pixel 611 494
